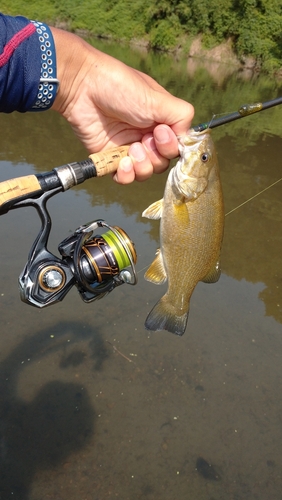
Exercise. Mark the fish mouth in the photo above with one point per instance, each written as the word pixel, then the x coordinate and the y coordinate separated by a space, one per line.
pixel 189 146
pixel 192 138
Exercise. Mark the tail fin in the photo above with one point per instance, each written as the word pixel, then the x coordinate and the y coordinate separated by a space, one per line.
pixel 163 317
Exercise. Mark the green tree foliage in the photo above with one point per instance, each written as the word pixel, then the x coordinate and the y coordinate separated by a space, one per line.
pixel 258 30
pixel 253 25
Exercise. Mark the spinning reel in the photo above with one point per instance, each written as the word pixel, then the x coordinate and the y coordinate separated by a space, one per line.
pixel 95 263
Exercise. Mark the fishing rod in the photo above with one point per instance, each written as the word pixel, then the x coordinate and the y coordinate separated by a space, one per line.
pixel 244 110
pixel 62 178
pixel 97 165
pixel 95 263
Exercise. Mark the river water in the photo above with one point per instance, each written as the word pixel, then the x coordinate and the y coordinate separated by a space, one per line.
pixel 92 406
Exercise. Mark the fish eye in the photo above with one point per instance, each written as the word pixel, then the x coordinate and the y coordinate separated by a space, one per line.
pixel 205 157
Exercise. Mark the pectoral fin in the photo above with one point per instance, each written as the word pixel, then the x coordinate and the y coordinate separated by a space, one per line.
pixel 154 211
pixel 214 274
pixel 156 272
pixel 181 213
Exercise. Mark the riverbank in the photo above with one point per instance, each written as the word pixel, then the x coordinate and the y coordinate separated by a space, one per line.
pixel 194 49
pixel 247 35
pixel 243 36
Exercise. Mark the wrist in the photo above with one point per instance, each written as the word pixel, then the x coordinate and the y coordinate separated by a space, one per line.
pixel 71 70
pixel 48 83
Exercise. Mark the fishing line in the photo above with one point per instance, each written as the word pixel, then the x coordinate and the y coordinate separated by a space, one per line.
pixel 143 269
pixel 213 116
pixel 234 209
pixel 216 116
pixel 252 197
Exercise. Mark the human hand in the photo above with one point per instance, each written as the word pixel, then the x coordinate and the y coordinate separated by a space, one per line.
pixel 109 104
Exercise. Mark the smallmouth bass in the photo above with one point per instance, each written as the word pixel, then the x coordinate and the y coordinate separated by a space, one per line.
pixel 191 231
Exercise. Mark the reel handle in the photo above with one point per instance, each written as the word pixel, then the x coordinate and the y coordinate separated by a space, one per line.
pixel 67 176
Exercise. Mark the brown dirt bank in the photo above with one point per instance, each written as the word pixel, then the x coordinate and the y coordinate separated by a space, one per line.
pixel 221 54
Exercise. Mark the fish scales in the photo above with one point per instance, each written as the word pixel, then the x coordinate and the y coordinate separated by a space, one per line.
pixel 191 231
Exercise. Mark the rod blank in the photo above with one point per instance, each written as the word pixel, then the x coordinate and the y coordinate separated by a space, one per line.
pixel 245 110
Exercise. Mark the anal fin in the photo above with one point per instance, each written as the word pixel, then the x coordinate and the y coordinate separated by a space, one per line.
pixel 156 272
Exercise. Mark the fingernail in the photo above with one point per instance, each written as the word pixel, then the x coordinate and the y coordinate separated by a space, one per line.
pixel 137 152
pixel 150 144
pixel 125 164
pixel 162 135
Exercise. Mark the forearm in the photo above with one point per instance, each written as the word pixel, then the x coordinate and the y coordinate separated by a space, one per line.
pixel 19 64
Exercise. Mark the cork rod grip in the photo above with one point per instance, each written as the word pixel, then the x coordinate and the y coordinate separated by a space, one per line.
pixel 106 162
pixel 17 188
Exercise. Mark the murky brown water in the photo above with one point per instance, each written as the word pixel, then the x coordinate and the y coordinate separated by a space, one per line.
pixel 78 421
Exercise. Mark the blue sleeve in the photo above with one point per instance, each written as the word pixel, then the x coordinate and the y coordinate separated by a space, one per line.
pixel 20 64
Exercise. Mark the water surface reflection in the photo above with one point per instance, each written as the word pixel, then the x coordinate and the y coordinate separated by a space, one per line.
pixel 80 421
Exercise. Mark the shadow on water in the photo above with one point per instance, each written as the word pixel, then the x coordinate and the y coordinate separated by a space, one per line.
pixel 58 421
